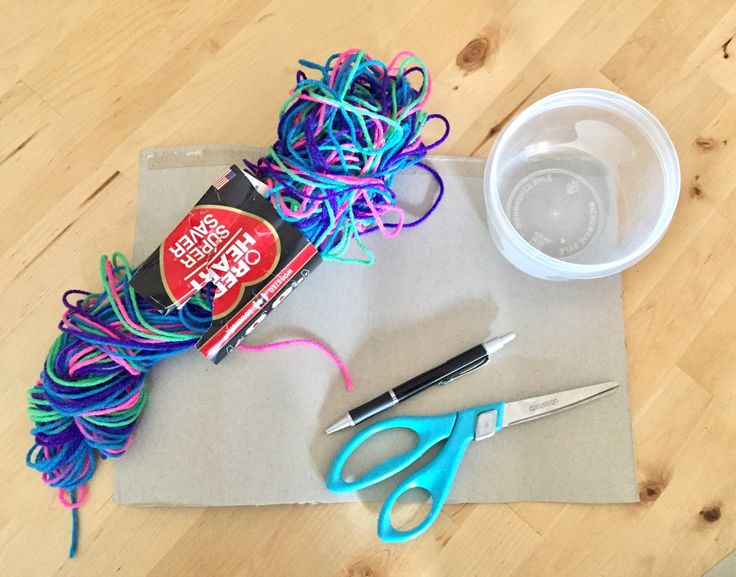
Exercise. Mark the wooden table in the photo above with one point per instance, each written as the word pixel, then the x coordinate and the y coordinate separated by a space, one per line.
pixel 85 84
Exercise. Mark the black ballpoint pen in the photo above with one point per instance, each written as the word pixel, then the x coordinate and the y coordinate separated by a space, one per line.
pixel 456 367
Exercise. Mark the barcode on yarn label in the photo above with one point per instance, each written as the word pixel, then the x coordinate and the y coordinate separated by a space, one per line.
pixel 233 240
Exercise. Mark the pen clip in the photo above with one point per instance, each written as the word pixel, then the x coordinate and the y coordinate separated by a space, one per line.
pixel 467 369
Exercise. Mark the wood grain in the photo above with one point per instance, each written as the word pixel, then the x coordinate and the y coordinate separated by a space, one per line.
pixel 85 85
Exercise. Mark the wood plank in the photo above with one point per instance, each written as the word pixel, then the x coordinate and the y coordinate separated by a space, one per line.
pixel 660 45
pixel 33 30
pixel 688 527
pixel 677 308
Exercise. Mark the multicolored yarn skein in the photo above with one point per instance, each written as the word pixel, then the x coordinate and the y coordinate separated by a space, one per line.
pixel 341 140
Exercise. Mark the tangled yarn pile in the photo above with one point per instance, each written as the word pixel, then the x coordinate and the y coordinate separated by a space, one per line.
pixel 341 140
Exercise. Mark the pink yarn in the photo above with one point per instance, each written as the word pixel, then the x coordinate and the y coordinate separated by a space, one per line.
pixel 309 343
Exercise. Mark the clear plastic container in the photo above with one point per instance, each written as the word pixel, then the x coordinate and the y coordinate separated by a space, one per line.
pixel 582 184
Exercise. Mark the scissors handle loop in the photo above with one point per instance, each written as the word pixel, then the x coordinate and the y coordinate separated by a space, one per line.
pixel 435 478
pixel 429 432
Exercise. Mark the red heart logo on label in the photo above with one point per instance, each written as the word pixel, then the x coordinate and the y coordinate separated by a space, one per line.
pixel 221 245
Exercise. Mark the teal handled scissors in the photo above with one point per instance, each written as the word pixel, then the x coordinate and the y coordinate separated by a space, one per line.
pixel 457 430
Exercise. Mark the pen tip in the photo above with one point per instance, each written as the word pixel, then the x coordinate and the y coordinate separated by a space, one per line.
pixel 338 426
pixel 496 344
pixel 508 337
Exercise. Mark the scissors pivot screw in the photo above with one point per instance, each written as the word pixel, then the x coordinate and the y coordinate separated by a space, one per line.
pixel 485 425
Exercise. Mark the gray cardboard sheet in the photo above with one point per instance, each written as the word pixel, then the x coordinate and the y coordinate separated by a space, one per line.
pixel 249 431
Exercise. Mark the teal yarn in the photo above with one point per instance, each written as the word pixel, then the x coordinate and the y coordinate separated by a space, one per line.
pixel 75 526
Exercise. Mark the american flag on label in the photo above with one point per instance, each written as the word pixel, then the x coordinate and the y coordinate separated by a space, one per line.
pixel 224 179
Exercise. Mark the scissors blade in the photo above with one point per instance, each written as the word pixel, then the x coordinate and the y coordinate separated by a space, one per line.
pixel 526 410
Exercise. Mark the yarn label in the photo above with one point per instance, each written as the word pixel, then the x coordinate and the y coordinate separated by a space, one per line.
pixel 234 241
